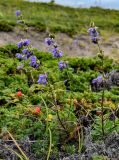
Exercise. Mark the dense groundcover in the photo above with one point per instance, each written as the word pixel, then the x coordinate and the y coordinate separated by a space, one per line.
pixel 62 118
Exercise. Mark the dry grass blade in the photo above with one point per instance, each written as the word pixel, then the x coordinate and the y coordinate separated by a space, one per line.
pixel 17 145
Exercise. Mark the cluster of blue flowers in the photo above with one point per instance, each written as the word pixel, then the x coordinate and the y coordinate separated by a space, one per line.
pixel 24 42
pixel 56 52
pixel 94 34
pixel 26 53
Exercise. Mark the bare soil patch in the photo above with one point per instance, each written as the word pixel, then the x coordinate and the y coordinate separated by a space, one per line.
pixel 79 45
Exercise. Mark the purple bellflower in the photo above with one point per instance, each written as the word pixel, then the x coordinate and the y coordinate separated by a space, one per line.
pixel 48 41
pixel 62 65
pixel 18 13
pixel 25 51
pixel 56 53
pixel 94 34
pixel 26 42
pixel 20 44
pixel 42 79
pixel 19 56
pixel 33 62
pixel 98 79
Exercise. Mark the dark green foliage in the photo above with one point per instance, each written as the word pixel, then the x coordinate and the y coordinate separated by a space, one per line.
pixel 6 26
pixel 9 51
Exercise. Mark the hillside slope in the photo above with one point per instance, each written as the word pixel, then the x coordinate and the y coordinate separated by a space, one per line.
pixel 56 18
pixel 69 25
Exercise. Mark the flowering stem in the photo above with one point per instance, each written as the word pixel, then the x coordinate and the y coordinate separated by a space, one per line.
pixel 58 112
pixel 103 91
pixel 114 122
pixel 70 93
pixel 80 141
pixel 102 110
pixel 62 124
pixel 25 25
pixel 32 77
pixel 115 125
pixel 59 119
pixel 100 50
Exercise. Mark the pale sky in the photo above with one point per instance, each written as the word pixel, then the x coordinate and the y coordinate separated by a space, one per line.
pixel 86 3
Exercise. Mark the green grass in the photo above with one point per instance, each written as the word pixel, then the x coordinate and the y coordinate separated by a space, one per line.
pixel 56 18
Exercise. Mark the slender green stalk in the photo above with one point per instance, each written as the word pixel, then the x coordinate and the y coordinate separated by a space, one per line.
pixel 25 26
pixel 50 145
pixel 46 111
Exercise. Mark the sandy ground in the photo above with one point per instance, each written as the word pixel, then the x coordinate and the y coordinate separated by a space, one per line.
pixel 79 45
